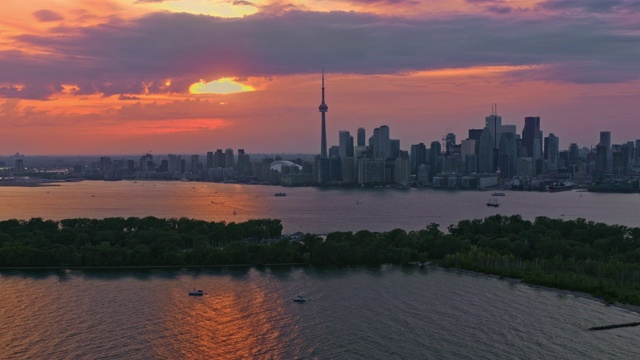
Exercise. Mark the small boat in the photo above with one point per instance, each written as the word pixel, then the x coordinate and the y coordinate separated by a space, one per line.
pixel 299 299
pixel 498 194
pixel 195 292
pixel 493 202
pixel 280 194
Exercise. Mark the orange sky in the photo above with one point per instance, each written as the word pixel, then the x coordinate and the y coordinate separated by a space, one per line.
pixel 190 76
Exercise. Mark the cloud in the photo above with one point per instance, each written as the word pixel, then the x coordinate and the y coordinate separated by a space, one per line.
pixel 242 3
pixel 45 15
pixel 127 97
pixel 138 56
pixel 590 6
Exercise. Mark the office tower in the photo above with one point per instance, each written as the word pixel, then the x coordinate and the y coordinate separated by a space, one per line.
pixel 229 160
pixel 449 143
pixel 209 160
pixel 350 149
pixel 344 138
pixel 485 152
pixel 418 156
pixel 18 167
pixel 323 110
pixel 173 163
pixel 493 123
pixel 334 151
pixel 195 164
pixel 435 151
pixel 394 148
pixel 605 143
pixel 530 134
pixel 361 137
pixel 636 155
pixel 218 159
pixel 552 151
pixel 508 158
pixel 574 152
pixel 380 143
pixel 146 163
pixel 467 147
pixel 605 139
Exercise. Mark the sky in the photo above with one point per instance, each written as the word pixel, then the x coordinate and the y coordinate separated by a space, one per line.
pixel 190 76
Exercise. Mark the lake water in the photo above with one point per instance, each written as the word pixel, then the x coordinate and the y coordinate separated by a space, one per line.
pixel 351 313
pixel 305 209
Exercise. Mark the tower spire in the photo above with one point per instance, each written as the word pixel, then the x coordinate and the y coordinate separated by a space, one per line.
pixel 323 109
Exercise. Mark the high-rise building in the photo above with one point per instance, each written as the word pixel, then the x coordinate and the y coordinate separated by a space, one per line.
pixel 195 164
pixel 229 160
pixel 209 159
pixel 323 110
pixel 530 133
pixel 493 123
pixel 394 148
pixel 553 150
pixel 381 145
pixel 606 156
pixel 449 143
pixel 486 152
pixel 345 140
pixel 218 159
pixel 418 156
pixel 362 140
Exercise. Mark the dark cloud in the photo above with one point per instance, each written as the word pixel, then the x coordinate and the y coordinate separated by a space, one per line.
pixel 45 15
pixel 242 2
pixel 499 9
pixel 128 97
pixel 591 6
pixel 137 57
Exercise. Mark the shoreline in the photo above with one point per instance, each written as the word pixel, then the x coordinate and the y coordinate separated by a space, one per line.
pixel 634 309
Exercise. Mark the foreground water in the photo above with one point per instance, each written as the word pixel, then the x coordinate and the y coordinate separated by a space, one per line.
pixel 312 210
pixel 352 313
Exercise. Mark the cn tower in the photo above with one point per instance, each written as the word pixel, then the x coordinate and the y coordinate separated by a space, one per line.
pixel 323 109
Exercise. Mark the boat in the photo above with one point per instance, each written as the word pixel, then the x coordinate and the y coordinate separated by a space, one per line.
pixel 195 292
pixel 280 194
pixel 498 194
pixel 493 202
pixel 299 299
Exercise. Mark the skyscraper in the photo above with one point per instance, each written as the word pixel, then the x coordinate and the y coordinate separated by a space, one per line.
pixel 344 138
pixel 381 144
pixel 530 134
pixel 361 137
pixel 323 109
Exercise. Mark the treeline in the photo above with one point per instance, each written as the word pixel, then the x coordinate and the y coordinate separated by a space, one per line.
pixel 581 255
pixel 132 241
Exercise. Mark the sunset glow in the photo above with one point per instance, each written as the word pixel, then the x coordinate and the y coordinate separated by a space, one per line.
pixel 130 69
pixel 220 86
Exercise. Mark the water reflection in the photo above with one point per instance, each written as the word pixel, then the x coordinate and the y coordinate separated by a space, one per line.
pixel 231 321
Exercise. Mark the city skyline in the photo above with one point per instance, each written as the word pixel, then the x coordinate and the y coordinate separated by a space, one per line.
pixel 130 76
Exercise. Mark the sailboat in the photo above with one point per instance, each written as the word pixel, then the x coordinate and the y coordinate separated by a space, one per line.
pixel 493 202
